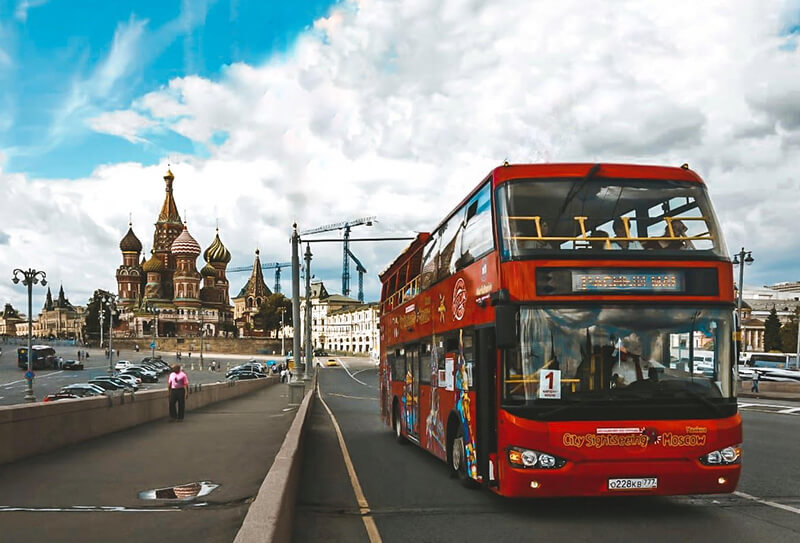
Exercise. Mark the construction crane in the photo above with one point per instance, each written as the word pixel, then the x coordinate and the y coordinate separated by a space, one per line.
pixel 346 253
pixel 361 271
pixel 268 266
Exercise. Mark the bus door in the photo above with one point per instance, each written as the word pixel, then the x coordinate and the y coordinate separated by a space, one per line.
pixel 413 370
pixel 485 401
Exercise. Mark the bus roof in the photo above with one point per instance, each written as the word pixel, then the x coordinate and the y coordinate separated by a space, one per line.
pixel 624 171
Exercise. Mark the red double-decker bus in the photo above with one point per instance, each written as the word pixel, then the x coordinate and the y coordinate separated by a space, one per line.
pixel 568 330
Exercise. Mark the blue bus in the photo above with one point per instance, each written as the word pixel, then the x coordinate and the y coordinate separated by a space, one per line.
pixel 43 356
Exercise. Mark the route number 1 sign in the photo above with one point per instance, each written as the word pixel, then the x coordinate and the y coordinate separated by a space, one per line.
pixel 550 384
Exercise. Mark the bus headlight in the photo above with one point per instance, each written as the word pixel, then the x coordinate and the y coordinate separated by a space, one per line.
pixel 527 458
pixel 723 457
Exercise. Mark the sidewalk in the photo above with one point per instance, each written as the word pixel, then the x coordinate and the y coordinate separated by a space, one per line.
pixel 232 444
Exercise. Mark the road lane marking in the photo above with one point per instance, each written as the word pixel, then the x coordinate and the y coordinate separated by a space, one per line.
pixel 350 374
pixel 13 383
pixel 776 505
pixel 351 397
pixel 789 411
pixel 363 505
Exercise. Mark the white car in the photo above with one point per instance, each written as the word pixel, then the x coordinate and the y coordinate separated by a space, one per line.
pixel 130 379
pixel 122 365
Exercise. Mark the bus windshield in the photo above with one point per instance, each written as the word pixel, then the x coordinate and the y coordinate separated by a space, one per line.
pixel 631 216
pixel 622 352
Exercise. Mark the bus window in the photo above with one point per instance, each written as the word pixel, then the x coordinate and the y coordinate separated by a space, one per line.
pixel 477 239
pixel 450 241
pixel 537 215
pixel 430 258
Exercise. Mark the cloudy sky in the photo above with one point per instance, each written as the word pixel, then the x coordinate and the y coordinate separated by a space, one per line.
pixel 320 111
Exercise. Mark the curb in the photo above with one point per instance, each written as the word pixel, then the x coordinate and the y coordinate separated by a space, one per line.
pixel 270 516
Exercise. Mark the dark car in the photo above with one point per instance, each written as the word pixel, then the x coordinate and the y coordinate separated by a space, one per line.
pixel 109 383
pixel 83 390
pixel 244 374
pixel 71 365
pixel 145 375
pixel 59 396
pixel 320 352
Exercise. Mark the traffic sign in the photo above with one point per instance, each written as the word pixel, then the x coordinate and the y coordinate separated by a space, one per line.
pixel 153 345
pixel 29 375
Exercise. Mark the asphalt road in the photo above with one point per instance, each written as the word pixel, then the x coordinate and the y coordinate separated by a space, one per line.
pixel 13 384
pixel 412 498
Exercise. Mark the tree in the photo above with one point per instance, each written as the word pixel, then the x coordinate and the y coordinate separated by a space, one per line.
pixel 789 335
pixel 772 332
pixel 268 317
pixel 91 324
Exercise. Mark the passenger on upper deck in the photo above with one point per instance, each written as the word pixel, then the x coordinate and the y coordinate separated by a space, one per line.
pixel 680 230
pixel 619 232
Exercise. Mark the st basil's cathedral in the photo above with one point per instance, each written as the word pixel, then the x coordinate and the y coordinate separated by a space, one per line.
pixel 165 290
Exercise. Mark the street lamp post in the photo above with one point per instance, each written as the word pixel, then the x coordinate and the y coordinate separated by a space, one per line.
pixel 283 352
pixel 741 259
pixel 202 335
pixel 29 278
pixel 152 310
pixel 108 300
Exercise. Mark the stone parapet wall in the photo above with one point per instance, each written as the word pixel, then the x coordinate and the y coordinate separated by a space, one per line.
pixel 41 427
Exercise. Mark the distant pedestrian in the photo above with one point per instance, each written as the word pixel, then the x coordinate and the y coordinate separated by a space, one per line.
pixel 80 356
pixel 178 386
pixel 117 353
pixel 756 378
pixel 136 347
pixel 283 376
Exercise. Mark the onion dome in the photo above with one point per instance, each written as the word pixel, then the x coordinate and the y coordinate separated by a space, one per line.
pixel 217 252
pixel 208 271
pixel 185 245
pixel 154 264
pixel 130 243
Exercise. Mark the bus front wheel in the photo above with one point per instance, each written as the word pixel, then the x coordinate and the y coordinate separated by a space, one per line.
pixel 458 460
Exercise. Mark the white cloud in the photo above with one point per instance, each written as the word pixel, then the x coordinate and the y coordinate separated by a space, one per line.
pixel 125 124
pixel 398 108
pixel 23 6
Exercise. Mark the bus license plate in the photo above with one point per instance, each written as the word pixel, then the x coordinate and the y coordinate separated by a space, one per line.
pixel 643 483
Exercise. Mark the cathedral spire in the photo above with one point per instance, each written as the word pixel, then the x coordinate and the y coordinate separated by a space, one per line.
pixel 169 211
pixel 255 285
pixel 48 303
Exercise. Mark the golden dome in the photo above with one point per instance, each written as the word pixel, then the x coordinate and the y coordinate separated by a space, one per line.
pixel 154 264
pixel 217 252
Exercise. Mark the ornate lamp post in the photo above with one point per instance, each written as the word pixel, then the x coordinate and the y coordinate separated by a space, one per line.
pixel 203 313
pixel 29 278
pixel 153 310
pixel 108 300
pixel 740 259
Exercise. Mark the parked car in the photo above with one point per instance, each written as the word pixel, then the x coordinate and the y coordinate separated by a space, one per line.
pixel 132 380
pixel 143 374
pixel 244 374
pixel 71 365
pixel 59 396
pixel 110 383
pixel 122 364
pixel 83 390
pixel 320 352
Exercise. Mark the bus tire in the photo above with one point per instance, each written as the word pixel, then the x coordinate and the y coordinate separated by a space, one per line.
pixel 397 425
pixel 458 461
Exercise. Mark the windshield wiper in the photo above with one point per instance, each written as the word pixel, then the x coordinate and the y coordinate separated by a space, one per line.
pixel 575 189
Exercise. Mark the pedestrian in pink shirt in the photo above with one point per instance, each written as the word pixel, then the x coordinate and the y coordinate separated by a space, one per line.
pixel 178 386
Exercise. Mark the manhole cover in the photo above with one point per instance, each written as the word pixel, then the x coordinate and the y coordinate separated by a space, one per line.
pixel 182 492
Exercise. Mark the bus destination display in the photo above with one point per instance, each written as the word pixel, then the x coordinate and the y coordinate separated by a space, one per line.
pixel 592 281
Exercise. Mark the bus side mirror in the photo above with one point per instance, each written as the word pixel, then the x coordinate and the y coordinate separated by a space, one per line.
pixel 506 326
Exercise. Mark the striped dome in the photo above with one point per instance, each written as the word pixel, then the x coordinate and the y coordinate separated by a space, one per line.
pixel 217 252
pixel 185 245
pixel 154 264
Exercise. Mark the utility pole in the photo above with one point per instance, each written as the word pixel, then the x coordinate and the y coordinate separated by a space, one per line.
pixel 309 353
pixel 296 297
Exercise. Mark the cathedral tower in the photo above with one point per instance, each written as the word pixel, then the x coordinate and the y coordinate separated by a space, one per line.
pixel 130 278
pixel 168 227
